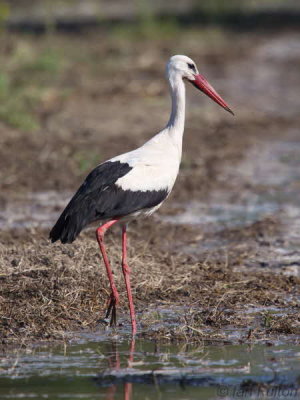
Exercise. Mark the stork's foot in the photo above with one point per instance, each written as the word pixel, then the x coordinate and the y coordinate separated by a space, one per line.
pixel 111 311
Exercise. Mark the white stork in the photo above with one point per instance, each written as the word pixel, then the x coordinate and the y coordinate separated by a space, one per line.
pixel 135 183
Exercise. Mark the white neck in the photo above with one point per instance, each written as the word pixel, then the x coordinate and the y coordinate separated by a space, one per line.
pixel 175 126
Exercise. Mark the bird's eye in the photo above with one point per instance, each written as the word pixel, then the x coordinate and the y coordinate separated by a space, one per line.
pixel 191 66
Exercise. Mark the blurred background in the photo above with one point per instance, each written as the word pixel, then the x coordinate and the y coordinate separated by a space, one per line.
pixel 62 60
pixel 83 80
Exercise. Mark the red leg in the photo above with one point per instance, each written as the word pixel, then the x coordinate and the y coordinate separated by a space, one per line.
pixel 114 297
pixel 126 272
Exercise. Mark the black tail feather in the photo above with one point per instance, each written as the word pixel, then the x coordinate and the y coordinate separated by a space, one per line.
pixel 66 229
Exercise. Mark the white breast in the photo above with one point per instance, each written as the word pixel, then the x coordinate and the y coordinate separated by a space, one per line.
pixel 155 165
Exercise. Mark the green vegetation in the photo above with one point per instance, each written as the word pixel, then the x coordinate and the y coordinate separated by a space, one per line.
pixel 4 13
pixel 48 61
pixel 16 104
pixel 147 27
pixel 26 76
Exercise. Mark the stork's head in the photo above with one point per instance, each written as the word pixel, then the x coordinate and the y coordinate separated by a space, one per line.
pixel 185 68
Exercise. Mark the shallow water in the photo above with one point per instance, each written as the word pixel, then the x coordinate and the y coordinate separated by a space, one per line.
pixel 32 210
pixel 117 369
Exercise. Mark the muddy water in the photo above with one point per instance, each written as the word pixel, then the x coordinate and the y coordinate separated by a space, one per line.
pixel 116 369
pixel 32 210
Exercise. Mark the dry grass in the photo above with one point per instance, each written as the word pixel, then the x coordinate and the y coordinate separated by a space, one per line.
pixel 47 289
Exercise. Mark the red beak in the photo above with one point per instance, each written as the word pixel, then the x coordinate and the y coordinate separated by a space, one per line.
pixel 201 83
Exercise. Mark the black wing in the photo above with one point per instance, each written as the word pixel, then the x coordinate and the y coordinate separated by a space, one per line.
pixel 82 208
pixel 99 198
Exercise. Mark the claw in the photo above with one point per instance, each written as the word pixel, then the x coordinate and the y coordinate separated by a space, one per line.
pixel 113 320
pixel 112 311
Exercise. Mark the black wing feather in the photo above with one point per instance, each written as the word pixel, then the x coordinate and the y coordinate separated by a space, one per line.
pixel 98 198
pixel 82 208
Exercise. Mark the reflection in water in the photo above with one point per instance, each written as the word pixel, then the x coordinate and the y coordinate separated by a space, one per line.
pixel 145 369
pixel 188 372
pixel 114 364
